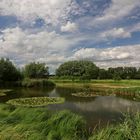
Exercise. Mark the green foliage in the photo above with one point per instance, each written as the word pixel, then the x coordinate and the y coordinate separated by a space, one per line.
pixel 74 126
pixel 104 74
pixel 86 70
pixel 36 70
pixel 35 101
pixel 74 70
pixel 37 83
pixel 8 72
pixel 123 72
pixel 39 124
pixel 78 69
pixel 116 77
pixel 3 92
pixel 128 130
pixel 137 75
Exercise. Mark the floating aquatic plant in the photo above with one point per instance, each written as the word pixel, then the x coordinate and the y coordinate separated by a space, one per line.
pixel 82 94
pixel 36 101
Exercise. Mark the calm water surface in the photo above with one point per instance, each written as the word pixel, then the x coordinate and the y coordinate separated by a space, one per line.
pixel 98 110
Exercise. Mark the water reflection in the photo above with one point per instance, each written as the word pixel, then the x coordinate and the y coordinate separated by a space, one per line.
pixel 101 109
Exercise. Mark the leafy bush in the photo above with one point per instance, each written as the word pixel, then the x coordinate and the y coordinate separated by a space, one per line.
pixel 37 83
pixel 8 72
pixel 36 70
pixel 85 70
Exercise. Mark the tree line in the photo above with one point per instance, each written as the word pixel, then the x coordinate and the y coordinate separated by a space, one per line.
pixel 9 72
pixel 84 69
pixel 78 69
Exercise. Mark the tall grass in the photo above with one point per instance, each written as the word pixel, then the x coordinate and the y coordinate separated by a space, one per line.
pixel 128 130
pixel 39 124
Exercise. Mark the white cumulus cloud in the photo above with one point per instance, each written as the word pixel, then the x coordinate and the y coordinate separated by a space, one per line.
pixel 116 33
pixel 51 11
pixel 23 47
pixel 69 27
pixel 111 57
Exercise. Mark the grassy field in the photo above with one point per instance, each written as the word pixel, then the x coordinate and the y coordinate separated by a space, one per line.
pixel 125 88
pixel 100 83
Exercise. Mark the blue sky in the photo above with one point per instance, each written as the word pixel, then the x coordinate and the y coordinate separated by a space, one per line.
pixel 106 32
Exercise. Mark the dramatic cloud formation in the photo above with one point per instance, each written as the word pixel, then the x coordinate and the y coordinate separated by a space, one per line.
pixel 54 31
pixel 24 47
pixel 117 56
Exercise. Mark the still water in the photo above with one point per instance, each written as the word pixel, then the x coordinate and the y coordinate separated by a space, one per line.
pixel 101 110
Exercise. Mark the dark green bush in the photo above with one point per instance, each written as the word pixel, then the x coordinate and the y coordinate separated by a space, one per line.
pixel 37 83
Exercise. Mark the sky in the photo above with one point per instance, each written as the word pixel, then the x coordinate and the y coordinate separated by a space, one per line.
pixel 106 32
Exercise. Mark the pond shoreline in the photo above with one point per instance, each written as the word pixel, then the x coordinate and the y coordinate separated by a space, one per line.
pixel 98 111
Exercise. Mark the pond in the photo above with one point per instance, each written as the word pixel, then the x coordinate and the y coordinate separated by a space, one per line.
pixel 100 110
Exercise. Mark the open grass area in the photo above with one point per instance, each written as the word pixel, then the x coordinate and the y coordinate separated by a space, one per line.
pixel 36 101
pixel 128 88
pixel 100 83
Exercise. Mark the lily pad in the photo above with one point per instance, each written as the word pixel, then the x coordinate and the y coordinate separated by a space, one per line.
pixel 83 94
pixel 36 101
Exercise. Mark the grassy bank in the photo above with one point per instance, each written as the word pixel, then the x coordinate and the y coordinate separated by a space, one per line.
pixel 39 124
pixel 125 88
pixel 42 124
pixel 29 83
pixel 99 83
pixel 128 130
pixel 37 83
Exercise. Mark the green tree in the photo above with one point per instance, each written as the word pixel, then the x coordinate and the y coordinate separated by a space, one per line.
pixel 8 72
pixel 36 70
pixel 78 69
pixel 116 77
pixel 137 75
pixel 104 74
pixel 119 71
pixel 130 72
